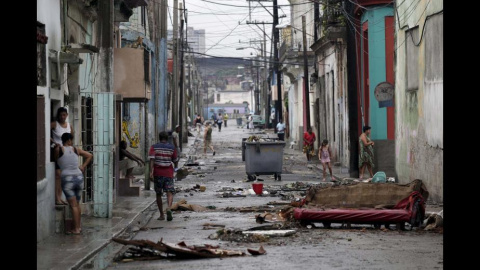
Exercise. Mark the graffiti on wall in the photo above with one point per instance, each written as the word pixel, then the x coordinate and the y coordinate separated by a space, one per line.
pixel 134 141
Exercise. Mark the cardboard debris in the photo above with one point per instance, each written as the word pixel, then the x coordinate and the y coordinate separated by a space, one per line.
pixel 183 205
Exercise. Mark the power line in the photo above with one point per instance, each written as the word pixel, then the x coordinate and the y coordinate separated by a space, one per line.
pixel 247 59
pixel 226 35
pixel 248 6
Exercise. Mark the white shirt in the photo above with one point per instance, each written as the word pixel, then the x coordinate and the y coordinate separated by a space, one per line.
pixel 280 128
pixel 58 132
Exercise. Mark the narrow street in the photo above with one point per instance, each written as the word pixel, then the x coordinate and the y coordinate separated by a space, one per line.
pixel 359 247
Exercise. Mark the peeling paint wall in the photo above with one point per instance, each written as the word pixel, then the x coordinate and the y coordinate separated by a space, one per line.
pixel 419 113
pixel 333 101
pixel 48 13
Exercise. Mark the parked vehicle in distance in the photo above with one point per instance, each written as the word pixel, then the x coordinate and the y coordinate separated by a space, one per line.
pixel 258 121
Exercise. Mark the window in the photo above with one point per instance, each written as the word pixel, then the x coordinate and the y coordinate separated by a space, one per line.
pixel 218 97
pixel 146 58
pixel 41 55
pixel 40 138
pixel 412 37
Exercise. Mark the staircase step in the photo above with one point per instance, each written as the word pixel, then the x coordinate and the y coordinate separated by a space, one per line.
pixel 126 188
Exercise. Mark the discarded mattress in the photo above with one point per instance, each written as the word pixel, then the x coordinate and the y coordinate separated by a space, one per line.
pixel 410 209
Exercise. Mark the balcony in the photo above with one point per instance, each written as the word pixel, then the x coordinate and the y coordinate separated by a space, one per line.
pixel 131 73
pixel 287 51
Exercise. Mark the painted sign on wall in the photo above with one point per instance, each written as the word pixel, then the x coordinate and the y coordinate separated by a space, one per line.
pixel 384 93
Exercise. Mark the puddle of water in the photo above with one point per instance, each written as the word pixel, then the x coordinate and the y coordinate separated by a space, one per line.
pixel 104 258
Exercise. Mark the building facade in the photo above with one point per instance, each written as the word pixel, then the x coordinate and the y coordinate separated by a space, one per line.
pixel 419 94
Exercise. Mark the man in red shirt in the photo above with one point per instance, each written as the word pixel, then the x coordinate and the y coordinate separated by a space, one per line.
pixel 161 156
pixel 308 140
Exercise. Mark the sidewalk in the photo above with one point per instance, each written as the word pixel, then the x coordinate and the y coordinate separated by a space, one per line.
pixel 60 251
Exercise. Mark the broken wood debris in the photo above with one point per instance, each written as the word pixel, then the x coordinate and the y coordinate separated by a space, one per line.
pixel 146 250
pixel 260 251
pixel 272 232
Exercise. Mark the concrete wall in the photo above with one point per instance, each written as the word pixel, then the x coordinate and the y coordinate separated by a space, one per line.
pixel 419 113
pixel 46 204
pixel 48 13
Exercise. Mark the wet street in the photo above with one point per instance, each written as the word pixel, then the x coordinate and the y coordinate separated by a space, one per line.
pixel 359 247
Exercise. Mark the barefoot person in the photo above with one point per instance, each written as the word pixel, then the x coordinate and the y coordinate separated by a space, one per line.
pixel 58 127
pixel 72 176
pixel 366 152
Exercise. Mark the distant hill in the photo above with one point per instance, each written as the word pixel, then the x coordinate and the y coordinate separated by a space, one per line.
pixel 210 66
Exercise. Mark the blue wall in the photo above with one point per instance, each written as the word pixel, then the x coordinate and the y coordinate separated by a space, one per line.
pixel 377 67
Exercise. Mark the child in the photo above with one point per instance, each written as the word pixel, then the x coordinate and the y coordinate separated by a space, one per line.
pixel 324 155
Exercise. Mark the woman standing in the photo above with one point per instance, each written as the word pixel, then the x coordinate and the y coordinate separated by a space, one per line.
pixel 58 128
pixel 72 176
pixel 308 140
pixel 366 152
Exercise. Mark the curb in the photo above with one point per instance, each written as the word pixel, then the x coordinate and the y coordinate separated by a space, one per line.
pixel 95 251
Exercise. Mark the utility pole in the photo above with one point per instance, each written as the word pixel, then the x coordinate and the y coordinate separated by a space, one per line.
pixel 162 114
pixel 305 74
pixel 182 79
pixel 257 92
pixel 175 65
pixel 265 83
pixel 278 104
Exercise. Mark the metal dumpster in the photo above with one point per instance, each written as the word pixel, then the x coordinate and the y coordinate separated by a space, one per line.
pixel 263 158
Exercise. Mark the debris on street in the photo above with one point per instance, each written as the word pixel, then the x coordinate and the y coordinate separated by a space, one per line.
pixel 237 236
pixel 271 233
pixel 183 205
pixel 433 221
pixel 260 251
pixel 145 250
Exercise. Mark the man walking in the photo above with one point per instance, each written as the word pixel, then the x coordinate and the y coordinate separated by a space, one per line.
pixel 161 156
pixel 281 130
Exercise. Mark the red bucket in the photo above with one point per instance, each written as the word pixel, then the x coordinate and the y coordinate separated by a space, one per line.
pixel 258 188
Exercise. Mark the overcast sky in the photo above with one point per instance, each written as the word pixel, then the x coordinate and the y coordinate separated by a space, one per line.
pixel 220 19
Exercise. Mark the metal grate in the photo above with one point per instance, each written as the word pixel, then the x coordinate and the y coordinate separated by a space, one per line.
pixel 98 137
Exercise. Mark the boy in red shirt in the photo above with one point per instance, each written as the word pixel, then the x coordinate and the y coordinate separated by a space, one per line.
pixel 161 156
